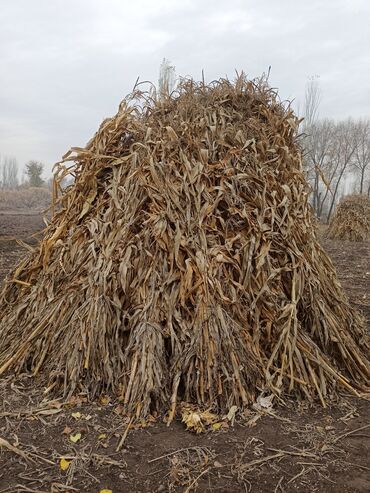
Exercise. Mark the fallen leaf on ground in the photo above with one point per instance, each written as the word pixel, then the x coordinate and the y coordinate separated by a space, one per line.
pixel 231 414
pixel 197 420
pixel 263 402
pixel 75 438
pixel 76 415
pixel 216 426
pixel 64 464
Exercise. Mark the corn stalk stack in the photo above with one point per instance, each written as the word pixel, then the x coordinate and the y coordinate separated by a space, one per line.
pixel 351 220
pixel 183 264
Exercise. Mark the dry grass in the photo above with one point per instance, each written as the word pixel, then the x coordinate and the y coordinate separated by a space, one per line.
pixel 33 198
pixel 351 220
pixel 183 264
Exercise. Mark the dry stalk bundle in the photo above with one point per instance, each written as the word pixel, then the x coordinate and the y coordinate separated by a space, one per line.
pixel 351 220
pixel 183 263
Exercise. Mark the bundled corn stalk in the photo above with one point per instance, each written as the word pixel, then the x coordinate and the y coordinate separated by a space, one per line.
pixel 351 220
pixel 183 264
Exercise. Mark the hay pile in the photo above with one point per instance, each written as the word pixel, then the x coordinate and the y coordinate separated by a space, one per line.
pixel 183 264
pixel 351 220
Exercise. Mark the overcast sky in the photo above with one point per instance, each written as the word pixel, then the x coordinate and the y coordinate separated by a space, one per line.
pixel 66 64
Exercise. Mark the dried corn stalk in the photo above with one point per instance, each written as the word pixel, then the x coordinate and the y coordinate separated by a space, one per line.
pixel 183 263
pixel 351 220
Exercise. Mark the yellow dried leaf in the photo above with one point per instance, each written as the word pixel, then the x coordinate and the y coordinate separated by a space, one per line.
pixel 192 421
pixel 216 426
pixel 75 438
pixel 76 415
pixel 104 400
pixel 64 464
pixel 106 491
pixel 102 436
pixel 197 420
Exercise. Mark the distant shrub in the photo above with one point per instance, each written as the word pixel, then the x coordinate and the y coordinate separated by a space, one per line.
pixel 34 198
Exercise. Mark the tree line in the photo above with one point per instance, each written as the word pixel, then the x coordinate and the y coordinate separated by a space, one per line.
pixel 336 155
pixel 337 161
pixel 9 174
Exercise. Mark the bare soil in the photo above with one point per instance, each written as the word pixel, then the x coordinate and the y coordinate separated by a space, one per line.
pixel 298 447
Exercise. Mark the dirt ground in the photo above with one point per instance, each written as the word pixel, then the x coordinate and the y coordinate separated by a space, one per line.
pixel 299 447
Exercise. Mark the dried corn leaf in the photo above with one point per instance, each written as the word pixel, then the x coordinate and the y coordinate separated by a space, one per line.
pixel 183 265
pixel 351 220
pixel 197 420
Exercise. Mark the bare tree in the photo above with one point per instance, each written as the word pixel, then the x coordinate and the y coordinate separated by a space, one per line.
pixel 331 152
pixel 312 101
pixel 9 173
pixel 316 140
pixel 343 151
pixel 318 143
pixel 361 161
pixel 167 78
